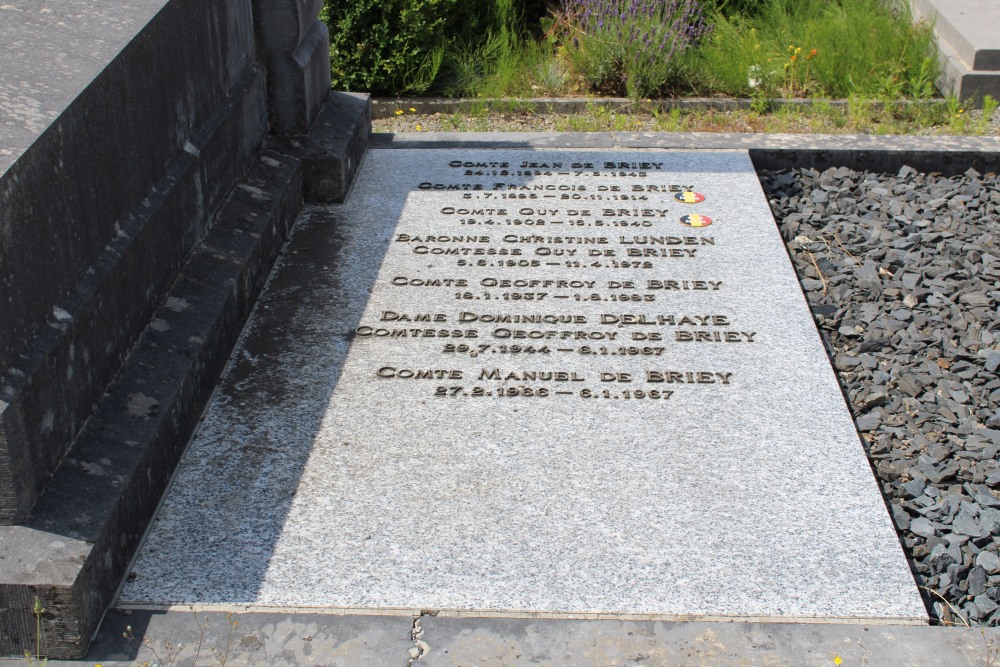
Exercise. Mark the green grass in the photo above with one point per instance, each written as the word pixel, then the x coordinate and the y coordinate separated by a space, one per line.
pixel 800 48
pixel 855 50
pixel 504 61
pixel 782 48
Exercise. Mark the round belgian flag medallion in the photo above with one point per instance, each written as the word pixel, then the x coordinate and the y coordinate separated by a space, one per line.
pixel 689 197
pixel 695 220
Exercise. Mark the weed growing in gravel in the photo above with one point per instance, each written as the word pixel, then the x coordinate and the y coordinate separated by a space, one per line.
pixel 36 659
pixel 171 654
pixel 956 115
pixel 984 120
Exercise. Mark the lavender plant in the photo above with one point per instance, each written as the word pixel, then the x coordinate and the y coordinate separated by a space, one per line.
pixel 630 47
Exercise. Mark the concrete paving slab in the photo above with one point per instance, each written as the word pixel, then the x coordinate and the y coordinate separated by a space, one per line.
pixel 297 638
pixel 466 642
pixel 584 480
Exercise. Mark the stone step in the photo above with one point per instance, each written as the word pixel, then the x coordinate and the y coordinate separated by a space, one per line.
pixel 968 45
pixel 969 26
pixel 965 84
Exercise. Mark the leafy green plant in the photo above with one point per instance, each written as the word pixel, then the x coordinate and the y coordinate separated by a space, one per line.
pixel 387 46
pixel 956 117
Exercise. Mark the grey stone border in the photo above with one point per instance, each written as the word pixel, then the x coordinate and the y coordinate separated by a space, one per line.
pixel 947 155
pixel 301 637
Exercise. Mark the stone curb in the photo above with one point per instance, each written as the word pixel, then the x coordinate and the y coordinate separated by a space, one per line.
pixel 248 637
pixel 947 155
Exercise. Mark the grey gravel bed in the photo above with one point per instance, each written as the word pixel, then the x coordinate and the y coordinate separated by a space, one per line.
pixel 903 274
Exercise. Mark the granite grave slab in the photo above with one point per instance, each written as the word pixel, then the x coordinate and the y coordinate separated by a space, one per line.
pixel 560 382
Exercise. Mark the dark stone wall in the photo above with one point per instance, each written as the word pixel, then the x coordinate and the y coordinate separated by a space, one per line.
pixel 99 214
pixel 62 200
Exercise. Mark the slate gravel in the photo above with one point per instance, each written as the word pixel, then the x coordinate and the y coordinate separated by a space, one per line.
pixel 903 275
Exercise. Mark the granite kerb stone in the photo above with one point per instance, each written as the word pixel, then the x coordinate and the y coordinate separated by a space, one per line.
pixel 50 388
pixel 73 551
pixel 387 107
pixel 947 155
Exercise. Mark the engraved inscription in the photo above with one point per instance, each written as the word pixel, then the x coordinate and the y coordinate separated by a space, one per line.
pixel 546 295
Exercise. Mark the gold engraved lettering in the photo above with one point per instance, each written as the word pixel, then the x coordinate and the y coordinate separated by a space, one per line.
pixel 555 240
pixel 667 240
pixel 645 166
pixel 373 332
pixel 661 252
pixel 403 281
pixel 406 238
pixel 479 165
pixel 634 212
pixel 546 284
pixel 502 318
pixel 715 336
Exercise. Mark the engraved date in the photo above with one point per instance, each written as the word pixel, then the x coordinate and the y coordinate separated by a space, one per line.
pixel 520 391
pixel 622 351
pixel 627 394
pixel 476 350
pixel 503 296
